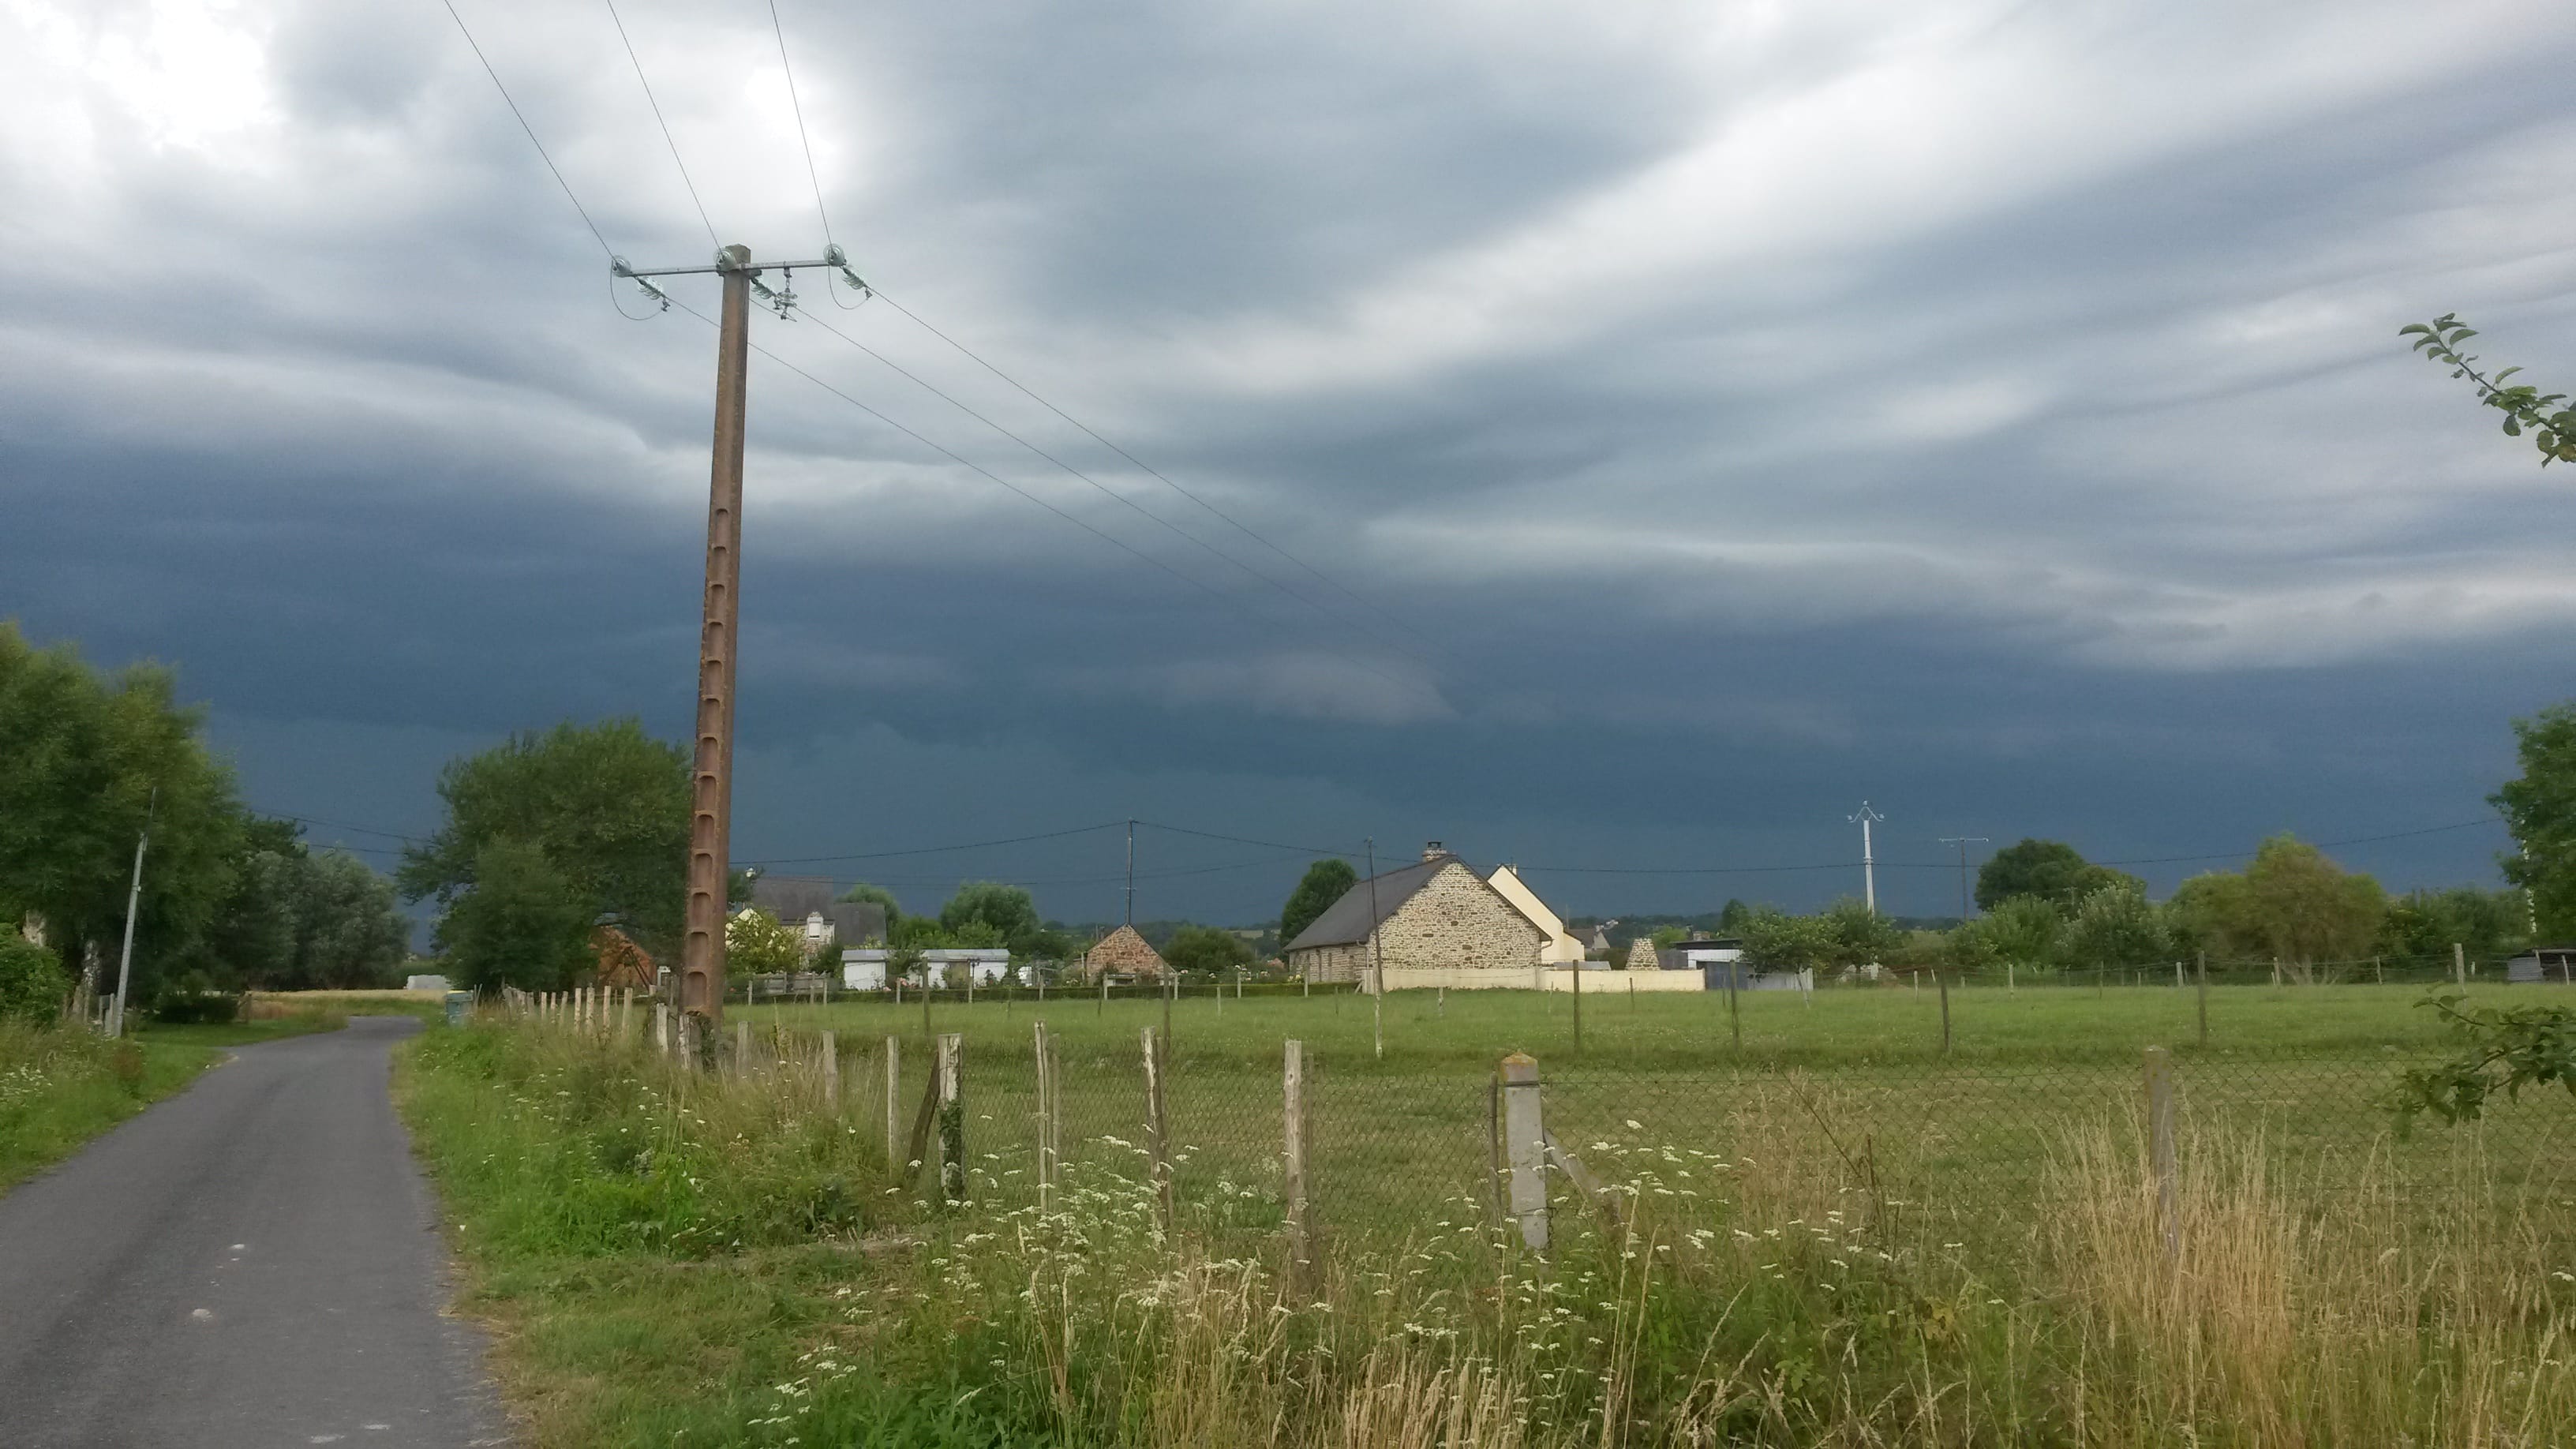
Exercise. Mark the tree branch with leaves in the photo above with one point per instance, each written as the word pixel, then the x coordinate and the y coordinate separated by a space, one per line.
pixel 2526 409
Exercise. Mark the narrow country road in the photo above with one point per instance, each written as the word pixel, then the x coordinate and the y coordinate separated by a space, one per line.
pixel 253 1262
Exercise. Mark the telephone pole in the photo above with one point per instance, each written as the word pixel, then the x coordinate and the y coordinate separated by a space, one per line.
pixel 1868 862
pixel 1963 842
pixel 702 944
pixel 133 900
pixel 1131 872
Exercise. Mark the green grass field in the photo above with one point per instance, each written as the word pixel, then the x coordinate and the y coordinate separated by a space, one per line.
pixel 1836 1235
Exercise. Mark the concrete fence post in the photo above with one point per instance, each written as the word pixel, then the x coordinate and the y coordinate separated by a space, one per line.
pixel 831 1074
pixel 952 1116
pixel 894 1101
pixel 2160 1148
pixel 1301 1225
pixel 1943 982
pixel 1525 1148
pixel 662 1027
pixel 1158 1131
pixel 741 1050
pixel 1048 1116
pixel 626 1014
pixel 2459 964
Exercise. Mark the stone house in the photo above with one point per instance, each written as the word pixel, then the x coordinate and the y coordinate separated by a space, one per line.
pixel 1123 953
pixel 1563 947
pixel 1434 914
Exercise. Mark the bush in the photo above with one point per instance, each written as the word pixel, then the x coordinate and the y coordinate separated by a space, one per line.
pixel 33 982
pixel 193 998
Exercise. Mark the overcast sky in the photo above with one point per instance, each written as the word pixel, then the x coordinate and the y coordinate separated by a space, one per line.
pixel 1646 431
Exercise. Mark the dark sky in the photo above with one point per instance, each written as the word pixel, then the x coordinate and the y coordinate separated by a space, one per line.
pixel 1652 430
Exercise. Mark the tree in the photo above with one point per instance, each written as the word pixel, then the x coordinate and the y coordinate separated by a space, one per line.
pixel 90 757
pixel 2023 931
pixel 2049 869
pixel 2116 927
pixel 347 932
pixel 1779 941
pixel 862 893
pixel 1006 912
pixel 2540 809
pixel 2291 904
pixel 1860 935
pixel 1206 951
pixel 2526 409
pixel 1325 882
pixel 523 922
pixel 606 804
pixel 1732 916
pixel 759 944
pixel 2423 925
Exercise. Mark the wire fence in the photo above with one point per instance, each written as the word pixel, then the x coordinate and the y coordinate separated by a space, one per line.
pixel 1965 1146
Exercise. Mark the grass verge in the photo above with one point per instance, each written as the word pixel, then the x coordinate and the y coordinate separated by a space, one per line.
pixel 678 1260
pixel 61 1086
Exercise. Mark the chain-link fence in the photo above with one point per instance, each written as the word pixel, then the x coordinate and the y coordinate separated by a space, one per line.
pixel 1403 1144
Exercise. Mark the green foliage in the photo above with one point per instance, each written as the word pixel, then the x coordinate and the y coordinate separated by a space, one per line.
pixel 1206 951
pixel 606 805
pixel 2540 809
pixel 193 998
pixel 2116 927
pixel 33 983
pixel 1667 937
pixel 1324 883
pixel 1778 941
pixel 862 893
pixel 987 913
pixel 759 944
pixel 2025 931
pixel 2526 409
pixel 2422 925
pixel 90 758
pixel 524 923
pixel 2050 869
pixel 2291 903
pixel 2502 1051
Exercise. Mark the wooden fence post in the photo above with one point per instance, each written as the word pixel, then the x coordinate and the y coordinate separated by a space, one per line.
pixel 1158 1131
pixel 741 1050
pixel 831 1074
pixel 952 1116
pixel 894 1102
pixel 2459 964
pixel 1525 1147
pixel 1301 1224
pixel 662 1027
pixel 626 1014
pixel 2160 1147
pixel 1943 982
pixel 1734 1009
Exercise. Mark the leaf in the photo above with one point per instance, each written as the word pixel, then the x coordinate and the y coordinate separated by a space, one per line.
pixel 2513 427
pixel 2412 328
pixel 2508 372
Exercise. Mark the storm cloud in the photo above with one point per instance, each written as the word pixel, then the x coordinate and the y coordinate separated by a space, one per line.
pixel 1620 437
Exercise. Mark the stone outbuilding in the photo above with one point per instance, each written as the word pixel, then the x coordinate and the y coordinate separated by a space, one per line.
pixel 1123 953
pixel 1641 955
pixel 1436 914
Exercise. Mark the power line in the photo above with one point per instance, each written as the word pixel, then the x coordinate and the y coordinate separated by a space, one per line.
pixel 799 108
pixel 340 825
pixel 937 849
pixel 1174 529
pixel 1244 840
pixel 531 130
pixel 1150 471
pixel 658 120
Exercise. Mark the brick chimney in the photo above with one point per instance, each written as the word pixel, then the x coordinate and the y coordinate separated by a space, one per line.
pixel 1434 850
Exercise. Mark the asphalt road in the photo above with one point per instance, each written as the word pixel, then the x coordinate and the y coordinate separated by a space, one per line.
pixel 253 1262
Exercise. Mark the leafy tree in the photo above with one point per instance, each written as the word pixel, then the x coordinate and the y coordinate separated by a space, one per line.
pixel 2291 904
pixel 862 893
pixel 1779 941
pixel 347 932
pixel 2501 1051
pixel 523 923
pixel 1731 918
pixel 1860 935
pixel 759 944
pixel 33 982
pixel 2423 925
pixel 1324 883
pixel 1007 913
pixel 90 758
pixel 606 804
pixel 1206 951
pixel 2540 809
pixel 2116 927
pixel 2024 931
pixel 2526 409
pixel 2050 869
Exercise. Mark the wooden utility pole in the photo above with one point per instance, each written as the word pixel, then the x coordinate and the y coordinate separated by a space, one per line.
pixel 702 946
pixel 702 940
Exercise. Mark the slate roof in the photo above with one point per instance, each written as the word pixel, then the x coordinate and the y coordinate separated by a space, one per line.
pixel 791 898
pixel 1347 922
pixel 856 923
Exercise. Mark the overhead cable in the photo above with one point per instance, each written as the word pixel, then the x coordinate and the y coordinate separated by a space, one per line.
pixel 664 124
pixel 531 130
